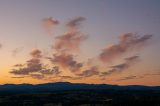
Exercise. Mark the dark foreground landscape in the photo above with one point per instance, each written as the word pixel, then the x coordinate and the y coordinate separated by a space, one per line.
pixel 68 94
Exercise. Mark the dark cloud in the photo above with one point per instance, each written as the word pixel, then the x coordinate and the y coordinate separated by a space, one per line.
pixel 90 72
pixel 127 42
pixel 55 70
pixel 18 65
pixel 73 23
pixel 121 67
pixel 115 69
pixel 70 77
pixel 17 77
pixel 66 77
pixel 128 78
pixel 49 23
pixel 36 53
pixel 34 67
pixel 131 59
pixel 66 61
pixel 69 41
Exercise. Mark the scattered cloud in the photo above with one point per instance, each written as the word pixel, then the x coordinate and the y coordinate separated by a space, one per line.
pixel 67 44
pixel 75 22
pixel 34 67
pixel 49 23
pixel 70 77
pixel 90 72
pixel 36 53
pixel 66 61
pixel 18 65
pixel 121 67
pixel 127 78
pixel 64 46
pixel 70 41
pixel 55 70
pixel 127 42
pixel 65 49
pixel 17 77
pixel 132 58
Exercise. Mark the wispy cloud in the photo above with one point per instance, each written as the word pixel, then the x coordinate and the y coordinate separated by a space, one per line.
pixel 70 41
pixel 73 38
pixel 66 61
pixel 17 77
pixel 75 22
pixel 70 77
pixel 121 67
pixel 127 42
pixel 49 23
pixel 127 78
pixel 131 77
pixel 89 72
pixel 36 53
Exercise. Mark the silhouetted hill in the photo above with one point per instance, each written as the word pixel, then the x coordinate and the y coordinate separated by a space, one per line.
pixel 60 86
pixel 78 94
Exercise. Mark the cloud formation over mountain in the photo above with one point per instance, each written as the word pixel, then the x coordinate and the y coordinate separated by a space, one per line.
pixel 34 67
pixel 67 47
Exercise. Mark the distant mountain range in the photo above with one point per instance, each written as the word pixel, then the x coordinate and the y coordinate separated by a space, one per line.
pixel 60 86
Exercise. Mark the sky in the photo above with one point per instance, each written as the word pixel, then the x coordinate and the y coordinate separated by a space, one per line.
pixel 80 41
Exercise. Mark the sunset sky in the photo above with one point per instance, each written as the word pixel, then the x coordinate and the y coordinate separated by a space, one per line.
pixel 80 41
